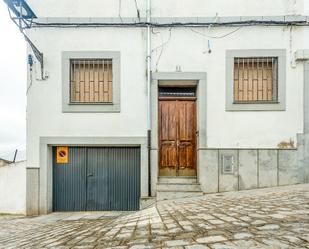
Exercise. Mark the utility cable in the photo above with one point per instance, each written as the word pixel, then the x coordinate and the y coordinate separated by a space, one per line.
pixel 119 10
pixel 137 10
pixel 162 48
pixel 216 37
pixel 172 24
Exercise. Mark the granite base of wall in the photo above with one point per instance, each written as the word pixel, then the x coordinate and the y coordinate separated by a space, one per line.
pixel 32 191
pixel 251 168
pixel 303 156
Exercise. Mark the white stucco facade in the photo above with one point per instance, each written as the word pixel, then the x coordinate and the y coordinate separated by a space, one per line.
pixel 182 47
pixel 171 8
pixel 133 88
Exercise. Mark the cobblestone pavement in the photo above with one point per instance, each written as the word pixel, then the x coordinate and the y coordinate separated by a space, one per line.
pixel 265 218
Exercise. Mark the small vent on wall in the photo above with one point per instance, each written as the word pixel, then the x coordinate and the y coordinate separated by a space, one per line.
pixel 227 164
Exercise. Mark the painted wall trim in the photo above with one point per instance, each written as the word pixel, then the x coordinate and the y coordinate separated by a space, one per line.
pixel 302 54
pixel 108 107
pixel 46 143
pixel 179 78
pixel 306 97
pixel 94 141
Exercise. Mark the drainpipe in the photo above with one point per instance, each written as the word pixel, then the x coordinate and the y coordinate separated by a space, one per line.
pixel 148 58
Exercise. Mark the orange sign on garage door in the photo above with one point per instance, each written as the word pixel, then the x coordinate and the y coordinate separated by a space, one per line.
pixel 62 154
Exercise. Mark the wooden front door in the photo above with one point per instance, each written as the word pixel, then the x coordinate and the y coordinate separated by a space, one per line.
pixel 177 137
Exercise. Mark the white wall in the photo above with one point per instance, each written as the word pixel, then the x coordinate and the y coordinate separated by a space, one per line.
pixel 13 188
pixel 165 8
pixel 306 7
pixel 306 31
pixel 182 8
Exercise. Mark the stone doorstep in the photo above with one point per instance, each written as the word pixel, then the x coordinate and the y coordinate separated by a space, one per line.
pixel 178 180
pixel 169 188
pixel 173 195
pixel 178 187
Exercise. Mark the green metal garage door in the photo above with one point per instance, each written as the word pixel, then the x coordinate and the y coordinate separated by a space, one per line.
pixel 97 179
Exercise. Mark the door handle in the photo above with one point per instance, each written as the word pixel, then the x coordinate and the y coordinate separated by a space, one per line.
pixel 89 175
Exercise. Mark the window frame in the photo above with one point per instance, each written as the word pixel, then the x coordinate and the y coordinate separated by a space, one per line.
pixel 67 105
pixel 278 105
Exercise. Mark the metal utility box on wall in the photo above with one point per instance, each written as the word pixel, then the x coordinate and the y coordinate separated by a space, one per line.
pixel 227 164
pixel 97 179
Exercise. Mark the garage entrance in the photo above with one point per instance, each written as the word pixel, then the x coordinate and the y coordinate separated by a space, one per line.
pixel 97 179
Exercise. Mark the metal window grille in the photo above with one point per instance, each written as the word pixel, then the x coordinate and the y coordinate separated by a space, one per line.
pixel 177 92
pixel 256 79
pixel 91 81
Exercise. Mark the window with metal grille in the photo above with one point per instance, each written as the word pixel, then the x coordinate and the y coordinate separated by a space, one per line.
pixel 91 81
pixel 255 80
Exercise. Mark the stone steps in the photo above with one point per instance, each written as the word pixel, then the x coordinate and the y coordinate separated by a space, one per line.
pixel 169 188
pixel 179 187
pixel 164 195
pixel 185 180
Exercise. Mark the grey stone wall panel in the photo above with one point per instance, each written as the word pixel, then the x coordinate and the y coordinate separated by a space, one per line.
pixel 288 168
pixel 32 191
pixel 268 170
pixel 208 170
pixel 248 173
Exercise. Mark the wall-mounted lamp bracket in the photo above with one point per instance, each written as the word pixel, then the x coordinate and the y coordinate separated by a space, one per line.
pixel 22 15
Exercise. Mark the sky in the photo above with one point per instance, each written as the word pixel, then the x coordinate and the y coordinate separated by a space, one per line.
pixel 13 62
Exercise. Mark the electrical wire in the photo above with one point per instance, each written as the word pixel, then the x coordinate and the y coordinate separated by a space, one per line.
pixel 30 81
pixel 163 43
pixel 153 32
pixel 162 48
pixel 216 37
pixel 37 53
pixel 137 10
pixel 173 24
pixel 292 61
pixel 119 11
